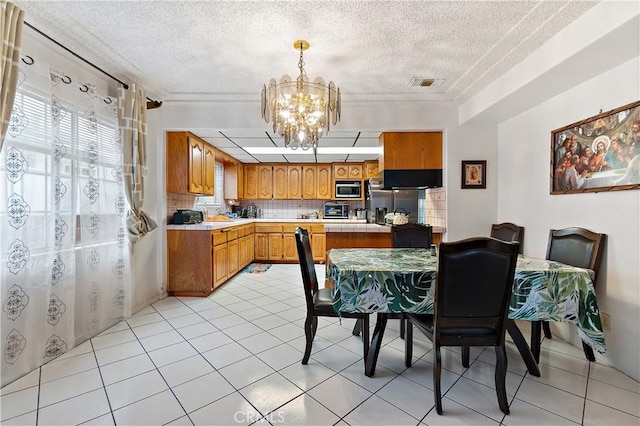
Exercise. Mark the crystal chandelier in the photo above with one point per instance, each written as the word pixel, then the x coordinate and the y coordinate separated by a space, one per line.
pixel 301 110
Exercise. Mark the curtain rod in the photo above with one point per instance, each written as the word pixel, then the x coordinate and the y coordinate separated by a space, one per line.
pixel 151 104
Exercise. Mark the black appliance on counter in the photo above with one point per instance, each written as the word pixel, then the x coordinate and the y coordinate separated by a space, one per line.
pixel 335 211
pixel 183 217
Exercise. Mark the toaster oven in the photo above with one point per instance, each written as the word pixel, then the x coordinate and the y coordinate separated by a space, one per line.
pixel 183 217
pixel 336 211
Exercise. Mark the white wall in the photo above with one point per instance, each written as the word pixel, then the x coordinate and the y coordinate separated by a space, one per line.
pixel 523 198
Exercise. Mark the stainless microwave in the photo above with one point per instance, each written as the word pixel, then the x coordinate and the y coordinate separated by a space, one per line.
pixel 336 211
pixel 349 189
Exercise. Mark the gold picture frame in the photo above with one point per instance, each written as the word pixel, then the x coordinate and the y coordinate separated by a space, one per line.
pixel 600 153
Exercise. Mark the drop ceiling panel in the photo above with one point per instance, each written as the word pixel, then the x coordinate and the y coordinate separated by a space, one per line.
pixel 234 152
pixel 220 142
pixel 269 158
pixel 367 142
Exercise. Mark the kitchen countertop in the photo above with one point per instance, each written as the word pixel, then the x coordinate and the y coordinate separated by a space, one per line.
pixel 330 225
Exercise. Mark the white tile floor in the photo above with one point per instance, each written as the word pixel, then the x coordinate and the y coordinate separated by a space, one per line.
pixel 234 358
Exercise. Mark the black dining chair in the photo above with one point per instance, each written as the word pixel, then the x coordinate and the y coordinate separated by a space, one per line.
pixel 408 235
pixel 412 235
pixel 320 301
pixel 473 289
pixel 576 247
pixel 508 231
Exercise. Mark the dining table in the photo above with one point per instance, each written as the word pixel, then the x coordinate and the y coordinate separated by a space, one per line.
pixel 396 280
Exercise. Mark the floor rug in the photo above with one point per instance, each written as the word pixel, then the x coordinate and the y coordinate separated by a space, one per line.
pixel 257 268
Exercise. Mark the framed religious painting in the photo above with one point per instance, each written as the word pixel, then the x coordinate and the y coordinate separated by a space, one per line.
pixel 600 153
pixel 474 174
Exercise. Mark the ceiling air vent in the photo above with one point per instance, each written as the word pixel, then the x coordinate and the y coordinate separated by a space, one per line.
pixel 426 82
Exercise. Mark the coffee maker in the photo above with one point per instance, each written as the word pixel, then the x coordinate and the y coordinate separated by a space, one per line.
pixel 381 212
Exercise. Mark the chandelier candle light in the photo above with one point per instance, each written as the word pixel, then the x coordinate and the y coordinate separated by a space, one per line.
pixel 301 110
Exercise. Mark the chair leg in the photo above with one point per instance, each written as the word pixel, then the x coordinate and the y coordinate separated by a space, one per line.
pixel 365 338
pixel 402 326
pixel 314 327
pixel 547 329
pixel 437 367
pixel 308 332
pixel 465 356
pixel 500 377
pixel 588 352
pixel 535 340
pixel 356 328
pixel 408 343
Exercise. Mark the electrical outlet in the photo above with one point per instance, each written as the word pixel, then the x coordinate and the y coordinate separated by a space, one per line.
pixel 606 321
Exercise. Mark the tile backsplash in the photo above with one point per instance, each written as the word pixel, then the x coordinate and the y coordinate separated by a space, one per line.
pixel 291 209
pixel 179 202
pixel 436 205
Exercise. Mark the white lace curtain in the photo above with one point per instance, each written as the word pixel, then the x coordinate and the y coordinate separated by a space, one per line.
pixel 11 21
pixel 64 255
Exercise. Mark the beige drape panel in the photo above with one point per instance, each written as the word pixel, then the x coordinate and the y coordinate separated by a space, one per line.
pixel 11 19
pixel 132 118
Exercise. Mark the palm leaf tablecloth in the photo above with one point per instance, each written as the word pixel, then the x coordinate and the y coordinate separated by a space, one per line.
pixel 399 280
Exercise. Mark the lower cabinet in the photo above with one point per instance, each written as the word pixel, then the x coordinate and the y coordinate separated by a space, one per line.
pixel 219 264
pixel 200 261
pixel 190 267
pixel 277 243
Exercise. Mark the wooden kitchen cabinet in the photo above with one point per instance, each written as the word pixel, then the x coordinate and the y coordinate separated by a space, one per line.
pixel 196 165
pixel 410 150
pixel 233 181
pixel 190 164
pixel 189 263
pixel 318 247
pixel 289 248
pixel 280 182
pixel 261 246
pixel 371 169
pixel 219 264
pixel 275 246
pixel 324 182
pixel 309 191
pixel 233 259
pixel 265 183
pixel 209 170
pixel 294 182
pixel 250 181
pixel 347 171
pixel 340 171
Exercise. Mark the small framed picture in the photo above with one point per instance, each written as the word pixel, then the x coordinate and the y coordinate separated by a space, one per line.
pixel 474 174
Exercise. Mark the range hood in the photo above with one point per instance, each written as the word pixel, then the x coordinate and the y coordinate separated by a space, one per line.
pixel 410 179
pixel 410 160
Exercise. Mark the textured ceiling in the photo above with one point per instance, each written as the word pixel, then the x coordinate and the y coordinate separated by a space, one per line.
pixel 226 50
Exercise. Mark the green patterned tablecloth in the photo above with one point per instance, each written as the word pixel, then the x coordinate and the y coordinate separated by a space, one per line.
pixel 399 280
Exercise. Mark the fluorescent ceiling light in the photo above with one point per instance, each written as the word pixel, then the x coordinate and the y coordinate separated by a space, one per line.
pixel 321 150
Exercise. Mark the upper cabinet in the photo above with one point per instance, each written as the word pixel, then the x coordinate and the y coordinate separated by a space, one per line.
pixel 346 171
pixel 190 164
pixel 294 182
pixel 233 181
pixel 265 183
pixel 324 182
pixel 371 169
pixel 410 150
pixel 309 179
pixel 280 182
pixel 251 181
